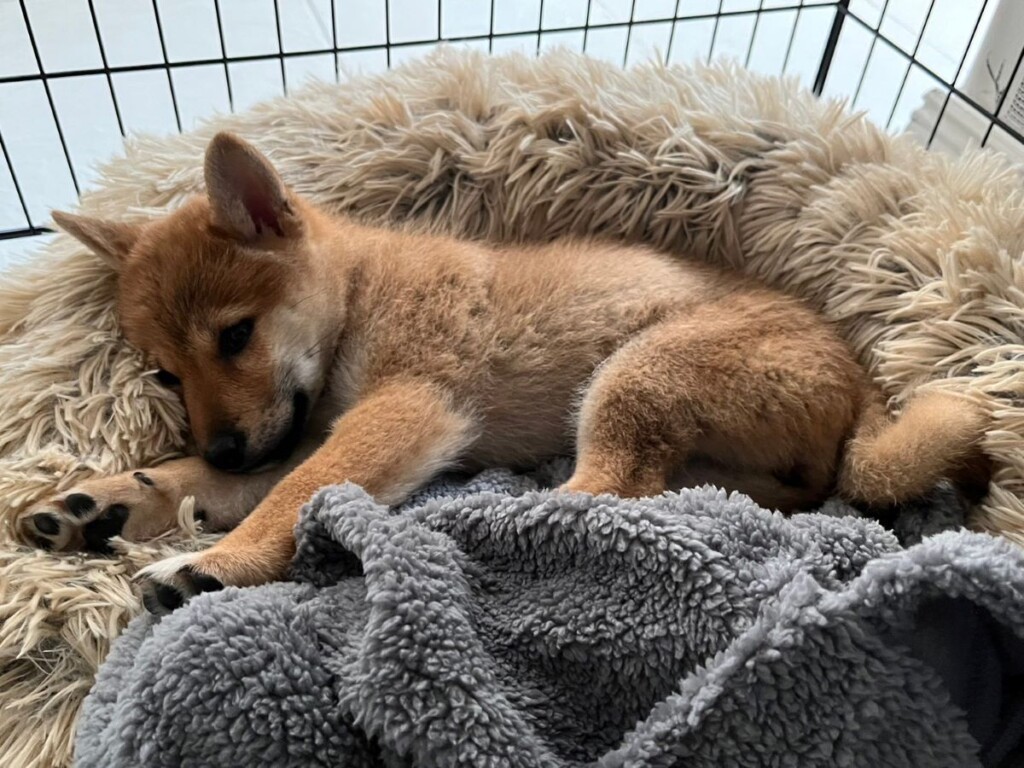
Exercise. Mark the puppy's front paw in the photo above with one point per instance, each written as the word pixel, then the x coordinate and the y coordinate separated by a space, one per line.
pixel 88 516
pixel 74 522
pixel 170 583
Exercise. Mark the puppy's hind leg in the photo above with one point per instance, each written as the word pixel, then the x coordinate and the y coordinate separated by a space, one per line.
pixel 718 389
pixel 634 423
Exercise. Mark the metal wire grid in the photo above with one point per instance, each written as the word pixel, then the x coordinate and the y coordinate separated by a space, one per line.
pixel 842 20
pixel 843 14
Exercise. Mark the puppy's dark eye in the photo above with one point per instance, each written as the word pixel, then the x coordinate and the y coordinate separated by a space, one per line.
pixel 167 378
pixel 234 338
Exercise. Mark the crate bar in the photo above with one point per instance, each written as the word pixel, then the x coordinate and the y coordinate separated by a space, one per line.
pixel 586 24
pixel 334 41
pixel 280 47
pixel 387 31
pixel 106 66
pixel 792 37
pixel 14 234
pixel 714 32
pixel 490 31
pixel 910 65
pixel 629 33
pixel 224 51
pixel 753 34
pixel 17 186
pixel 49 95
pixel 540 25
pixel 871 52
pixel 671 32
pixel 166 65
pixel 842 10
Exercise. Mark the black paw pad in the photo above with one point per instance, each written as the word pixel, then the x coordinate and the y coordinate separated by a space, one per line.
pixel 46 523
pixel 202 582
pixel 80 504
pixel 163 599
pixel 100 531
pixel 41 542
pixel 160 598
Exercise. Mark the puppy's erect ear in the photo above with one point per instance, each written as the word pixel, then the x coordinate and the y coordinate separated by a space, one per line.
pixel 247 197
pixel 110 240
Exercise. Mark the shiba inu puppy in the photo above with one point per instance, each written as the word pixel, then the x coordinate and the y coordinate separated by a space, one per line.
pixel 311 350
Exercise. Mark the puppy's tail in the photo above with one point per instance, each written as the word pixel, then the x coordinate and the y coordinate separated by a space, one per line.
pixel 937 436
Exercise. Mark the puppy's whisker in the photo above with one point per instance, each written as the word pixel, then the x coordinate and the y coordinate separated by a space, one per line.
pixel 307 298
pixel 317 345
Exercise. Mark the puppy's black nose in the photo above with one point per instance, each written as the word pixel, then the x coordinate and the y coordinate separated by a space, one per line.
pixel 226 450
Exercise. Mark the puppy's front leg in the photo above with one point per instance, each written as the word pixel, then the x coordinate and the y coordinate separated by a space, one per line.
pixel 390 443
pixel 142 504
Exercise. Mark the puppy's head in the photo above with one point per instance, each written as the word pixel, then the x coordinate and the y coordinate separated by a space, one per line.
pixel 223 296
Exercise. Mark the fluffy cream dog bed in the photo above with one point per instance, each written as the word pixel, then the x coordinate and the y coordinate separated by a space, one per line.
pixel 918 260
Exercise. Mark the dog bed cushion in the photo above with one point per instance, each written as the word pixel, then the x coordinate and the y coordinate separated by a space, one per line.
pixel 916 258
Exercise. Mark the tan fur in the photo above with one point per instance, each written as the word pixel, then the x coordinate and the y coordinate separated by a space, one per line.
pixel 935 436
pixel 423 351
pixel 391 442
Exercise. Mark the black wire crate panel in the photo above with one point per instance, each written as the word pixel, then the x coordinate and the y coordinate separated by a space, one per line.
pixel 78 75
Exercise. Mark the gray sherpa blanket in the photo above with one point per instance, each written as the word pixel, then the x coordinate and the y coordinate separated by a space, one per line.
pixel 495 624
